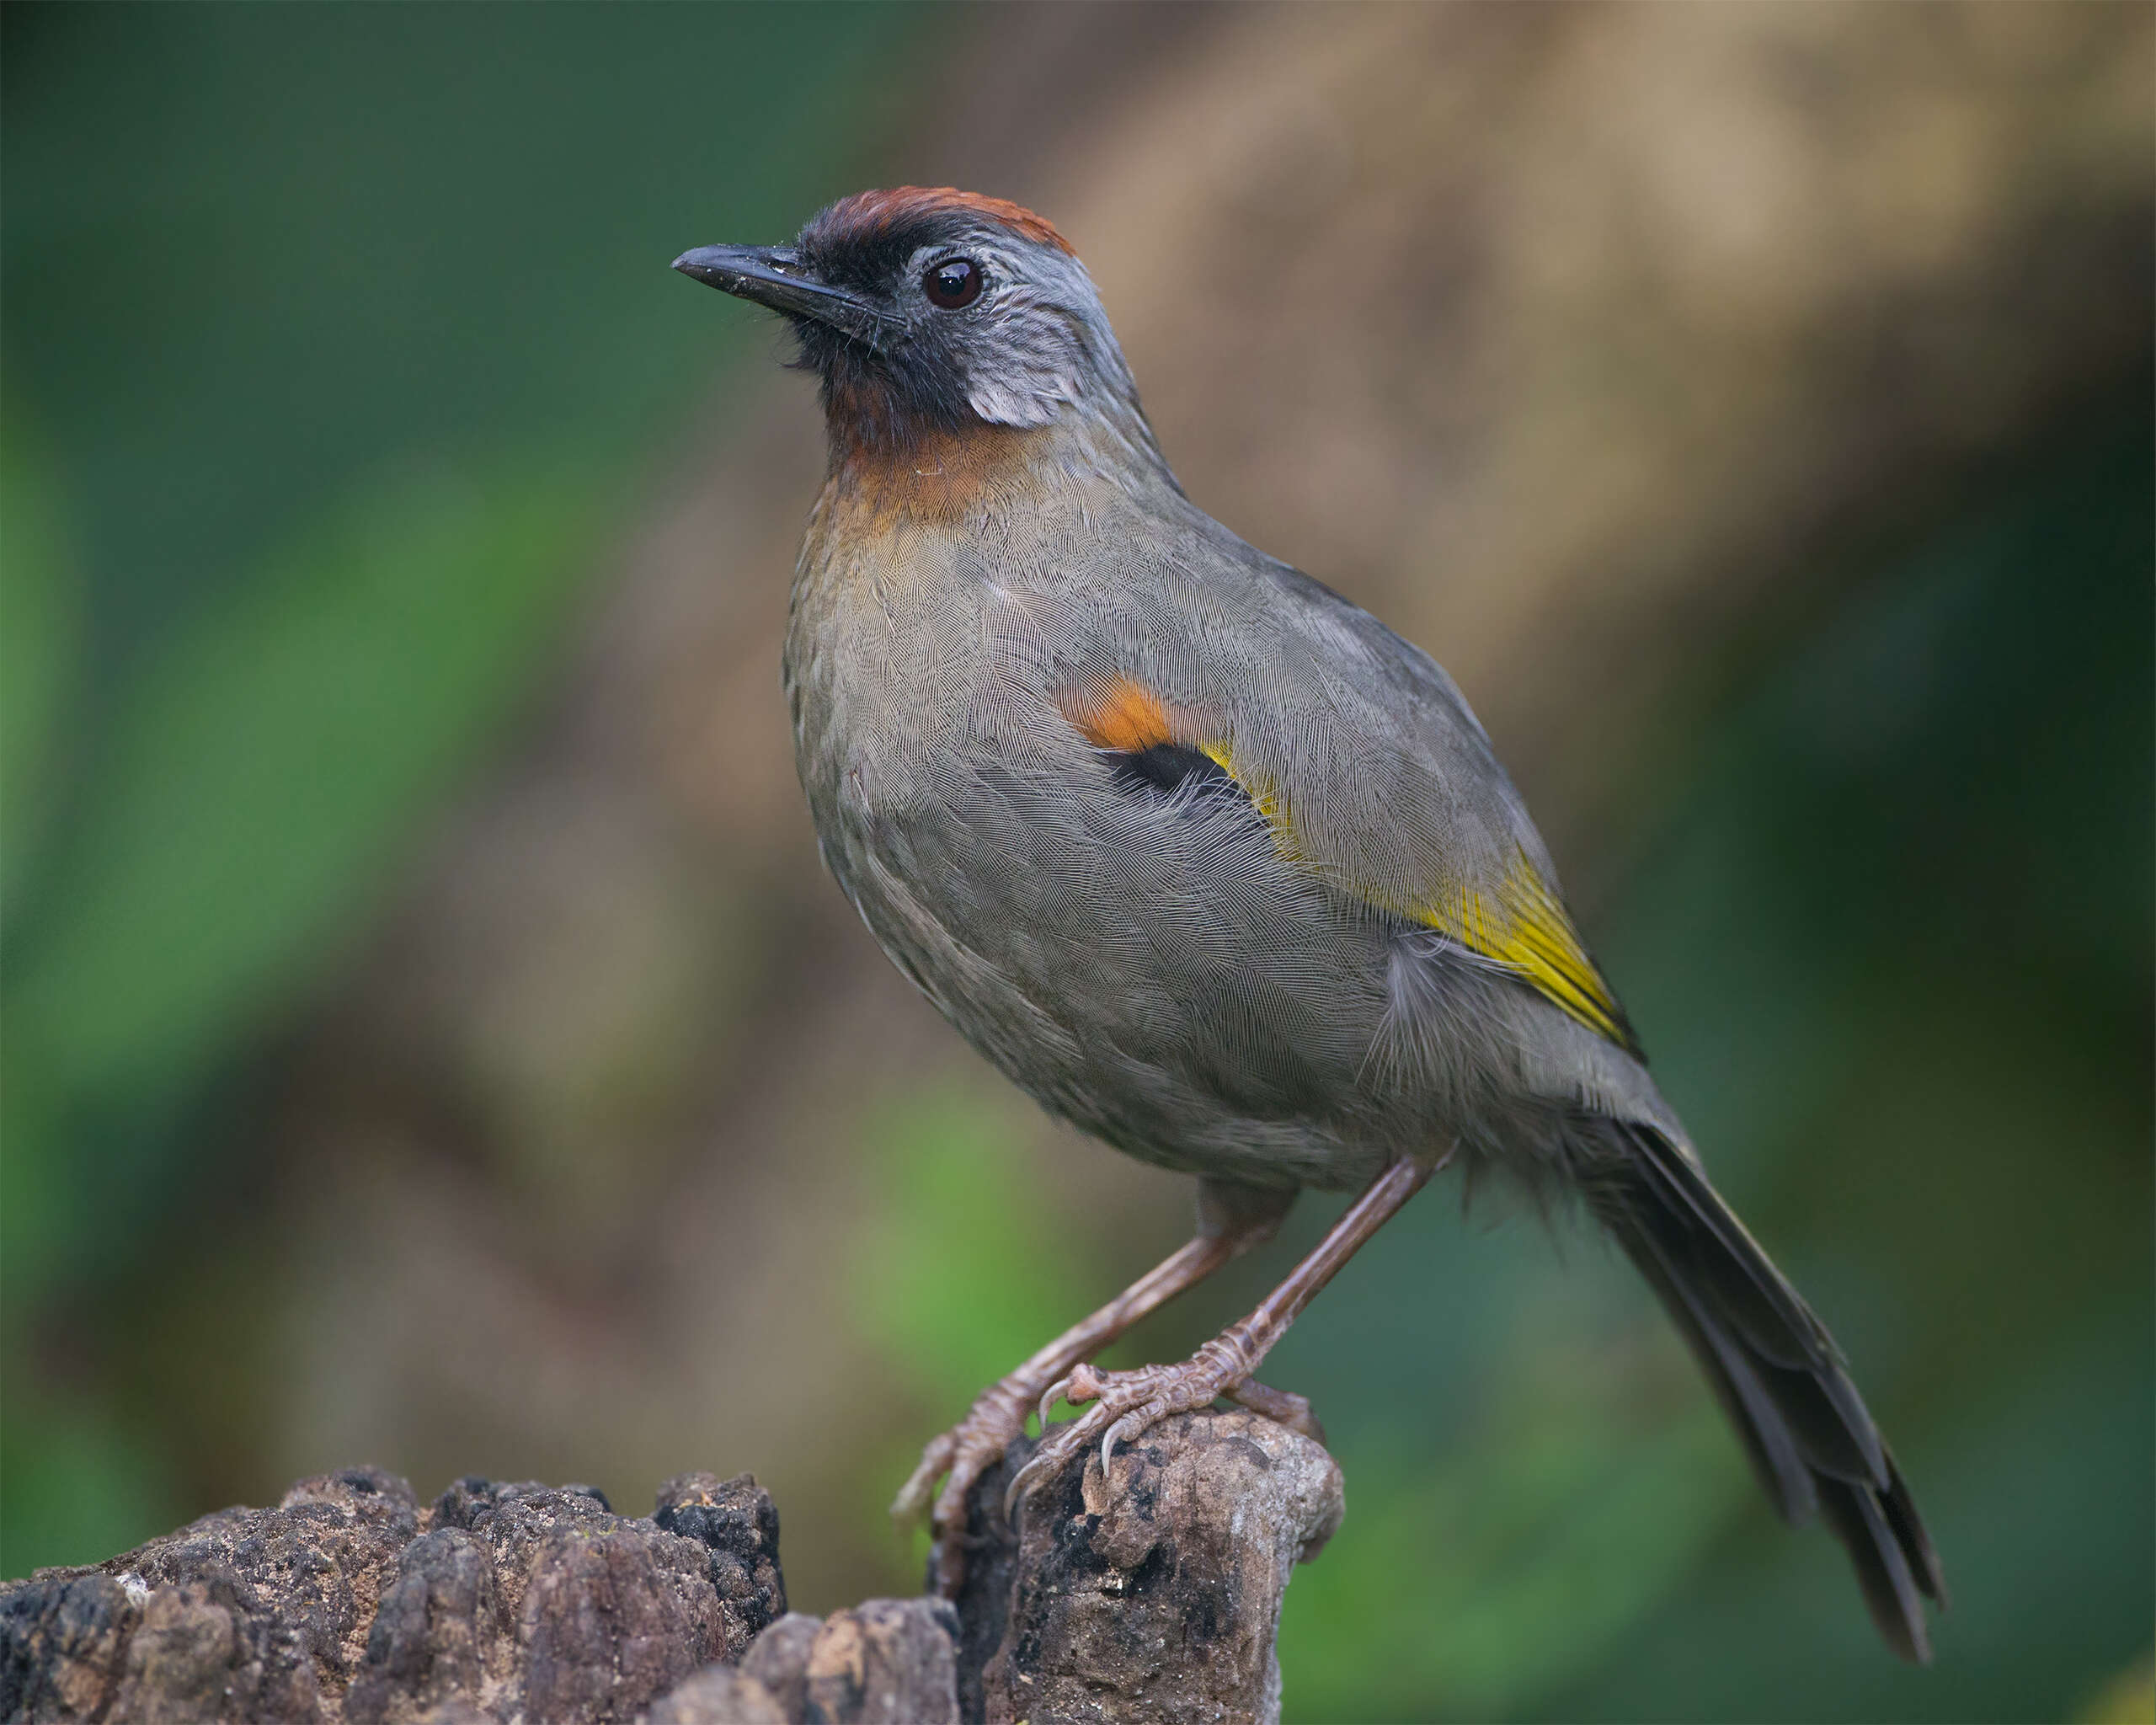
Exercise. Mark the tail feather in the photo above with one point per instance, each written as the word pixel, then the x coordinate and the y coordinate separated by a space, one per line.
pixel 1830 1420
pixel 1699 1227
pixel 1773 1367
pixel 1882 1566
pixel 1784 1474
pixel 1909 1530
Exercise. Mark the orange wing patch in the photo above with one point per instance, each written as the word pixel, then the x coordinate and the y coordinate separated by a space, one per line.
pixel 1120 715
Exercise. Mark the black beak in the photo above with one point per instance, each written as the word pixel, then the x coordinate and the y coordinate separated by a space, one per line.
pixel 776 276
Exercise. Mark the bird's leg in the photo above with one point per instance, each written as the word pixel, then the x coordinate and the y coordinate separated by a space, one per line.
pixel 1126 1402
pixel 1232 1220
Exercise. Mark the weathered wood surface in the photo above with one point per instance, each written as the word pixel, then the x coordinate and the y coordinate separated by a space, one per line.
pixel 1150 1597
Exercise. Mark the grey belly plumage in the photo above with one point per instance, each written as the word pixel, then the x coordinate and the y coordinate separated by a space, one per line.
pixel 1142 961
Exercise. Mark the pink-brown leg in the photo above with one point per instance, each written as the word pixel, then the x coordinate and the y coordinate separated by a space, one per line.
pixel 1231 1220
pixel 1126 1402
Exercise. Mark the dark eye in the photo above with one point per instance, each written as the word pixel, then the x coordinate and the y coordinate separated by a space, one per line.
pixel 952 283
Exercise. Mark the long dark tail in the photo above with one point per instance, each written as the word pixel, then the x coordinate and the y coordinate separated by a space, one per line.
pixel 1774 1367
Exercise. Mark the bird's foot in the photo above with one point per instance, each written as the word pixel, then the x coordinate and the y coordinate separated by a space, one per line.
pixel 959 1457
pixel 1126 1403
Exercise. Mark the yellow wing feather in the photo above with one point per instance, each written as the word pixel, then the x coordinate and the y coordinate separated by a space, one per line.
pixel 1522 925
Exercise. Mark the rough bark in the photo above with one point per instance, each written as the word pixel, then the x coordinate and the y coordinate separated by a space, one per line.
pixel 350 1601
pixel 1153 1596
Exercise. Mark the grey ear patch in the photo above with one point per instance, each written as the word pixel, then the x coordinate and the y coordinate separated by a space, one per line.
pixel 1026 354
pixel 1020 363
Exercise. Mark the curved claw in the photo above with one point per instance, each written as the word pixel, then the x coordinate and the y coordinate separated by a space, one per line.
pixel 1129 1428
pixel 1066 1442
pixel 1023 1481
pixel 959 1458
pixel 1125 1405
pixel 1050 1397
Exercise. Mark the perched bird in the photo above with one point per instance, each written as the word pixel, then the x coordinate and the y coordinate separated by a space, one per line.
pixel 1210 861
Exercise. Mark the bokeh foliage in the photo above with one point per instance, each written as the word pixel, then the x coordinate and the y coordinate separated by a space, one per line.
pixel 338 349
pixel 1929 825
pixel 331 353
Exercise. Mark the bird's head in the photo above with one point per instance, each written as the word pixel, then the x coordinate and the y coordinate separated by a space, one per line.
pixel 929 310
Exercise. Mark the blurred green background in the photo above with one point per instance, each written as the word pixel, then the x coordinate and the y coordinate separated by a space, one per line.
pixel 425 1037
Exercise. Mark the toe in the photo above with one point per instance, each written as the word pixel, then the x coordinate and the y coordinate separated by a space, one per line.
pixel 949 1520
pixel 1063 1442
pixel 946 1564
pixel 1133 1426
pixel 915 1495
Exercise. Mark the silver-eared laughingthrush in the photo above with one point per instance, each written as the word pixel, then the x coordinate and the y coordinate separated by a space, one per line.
pixel 1210 861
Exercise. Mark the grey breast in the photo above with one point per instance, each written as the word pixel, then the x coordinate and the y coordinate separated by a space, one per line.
pixel 1145 963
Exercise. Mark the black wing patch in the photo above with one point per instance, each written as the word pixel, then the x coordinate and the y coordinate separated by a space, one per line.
pixel 1172 768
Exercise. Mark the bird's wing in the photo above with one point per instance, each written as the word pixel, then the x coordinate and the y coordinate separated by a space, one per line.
pixel 1373 774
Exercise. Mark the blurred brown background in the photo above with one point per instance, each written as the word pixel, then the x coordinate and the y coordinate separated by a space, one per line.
pixel 431 1038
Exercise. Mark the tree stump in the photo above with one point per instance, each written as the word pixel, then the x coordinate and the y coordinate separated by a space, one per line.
pixel 1148 1596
